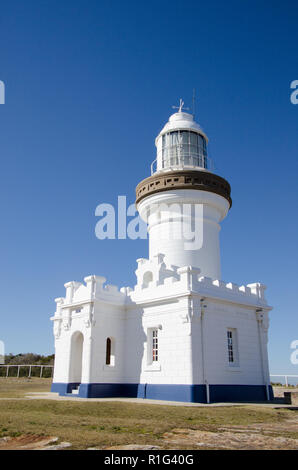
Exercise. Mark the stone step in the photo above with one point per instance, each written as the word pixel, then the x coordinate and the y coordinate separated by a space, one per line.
pixel 291 398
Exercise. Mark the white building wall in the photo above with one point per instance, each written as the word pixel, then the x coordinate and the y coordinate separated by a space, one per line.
pixel 217 319
pixel 109 323
pixel 134 339
pixel 62 357
pixel 169 227
pixel 174 341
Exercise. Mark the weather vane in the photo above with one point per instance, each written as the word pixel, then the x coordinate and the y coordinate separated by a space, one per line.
pixel 180 107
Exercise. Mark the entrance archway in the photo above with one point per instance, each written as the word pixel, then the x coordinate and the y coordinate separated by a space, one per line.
pixel 76 356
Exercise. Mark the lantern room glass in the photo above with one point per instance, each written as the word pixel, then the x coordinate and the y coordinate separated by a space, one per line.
pixel 183 148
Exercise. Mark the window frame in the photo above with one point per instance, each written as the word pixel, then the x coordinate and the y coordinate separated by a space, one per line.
pixel 154 345
pixel 153 348
pixel 232 347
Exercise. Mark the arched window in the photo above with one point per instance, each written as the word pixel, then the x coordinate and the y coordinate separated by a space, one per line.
pixel 108 351
pixel 147 278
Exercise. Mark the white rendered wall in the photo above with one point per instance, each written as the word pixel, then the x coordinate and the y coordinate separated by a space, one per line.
pixel 109 323
pixel 180 354
pixel 217 319
pixel 72 359
pixel 62 359
pixel 192 328
pixel 174 365
pixel 167 228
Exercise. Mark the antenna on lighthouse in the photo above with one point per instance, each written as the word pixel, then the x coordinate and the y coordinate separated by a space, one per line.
pixel 194 103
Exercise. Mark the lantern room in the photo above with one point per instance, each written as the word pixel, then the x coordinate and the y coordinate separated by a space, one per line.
pixel 181 145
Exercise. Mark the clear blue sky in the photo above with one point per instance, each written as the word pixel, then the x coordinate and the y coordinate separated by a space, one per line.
pixel 88 87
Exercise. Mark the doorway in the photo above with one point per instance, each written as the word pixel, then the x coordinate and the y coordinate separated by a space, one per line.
pixel 76 356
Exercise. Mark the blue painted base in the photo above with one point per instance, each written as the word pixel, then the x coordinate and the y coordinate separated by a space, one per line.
pixel 230 393
pixel 185 393
pixel 63 388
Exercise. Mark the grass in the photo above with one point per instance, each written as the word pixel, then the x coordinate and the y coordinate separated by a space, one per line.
pixel 17 388
pixel 90 424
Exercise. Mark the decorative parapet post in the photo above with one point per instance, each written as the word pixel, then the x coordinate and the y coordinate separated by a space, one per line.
pixel 258 289
pixel 70 288
pixel 188 277
pixel 58 317
pixel 69 292
pixel 94 285
pixel 90 284
pixel 59 302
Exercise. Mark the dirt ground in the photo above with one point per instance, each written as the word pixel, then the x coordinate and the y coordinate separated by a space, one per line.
pixel 260 436
pixel 32 442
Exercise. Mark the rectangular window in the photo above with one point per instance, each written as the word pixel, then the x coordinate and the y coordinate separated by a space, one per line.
pixel 232 344
pixel 152 348
pixel 154 345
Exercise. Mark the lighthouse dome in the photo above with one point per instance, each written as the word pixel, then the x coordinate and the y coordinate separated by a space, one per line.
pixel 181 120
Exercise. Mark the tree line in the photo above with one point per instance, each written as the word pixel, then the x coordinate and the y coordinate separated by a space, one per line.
pixel 25 359
pixel 29 358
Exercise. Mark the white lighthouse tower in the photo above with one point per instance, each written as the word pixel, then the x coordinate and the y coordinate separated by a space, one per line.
pixel 184 198
pixel 181 333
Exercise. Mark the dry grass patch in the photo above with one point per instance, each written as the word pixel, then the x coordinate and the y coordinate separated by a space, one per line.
pixel 12 387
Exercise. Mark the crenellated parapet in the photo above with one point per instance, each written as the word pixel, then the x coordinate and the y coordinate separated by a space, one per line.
pixel 93 289
pixel 80 300
pixel 152 273
pixel 155 279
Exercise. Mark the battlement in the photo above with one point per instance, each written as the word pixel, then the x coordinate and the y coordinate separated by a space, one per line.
pixel 93 289
pixel 156 279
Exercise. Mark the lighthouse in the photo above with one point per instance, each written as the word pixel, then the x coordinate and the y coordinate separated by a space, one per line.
pixel 183 197
pixel 181 333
